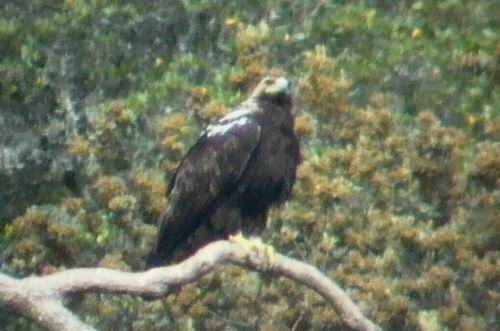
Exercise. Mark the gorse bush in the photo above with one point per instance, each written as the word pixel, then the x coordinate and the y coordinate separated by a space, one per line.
pixel 397 195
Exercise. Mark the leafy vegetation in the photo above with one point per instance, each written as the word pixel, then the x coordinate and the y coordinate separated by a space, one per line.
pixel 397 196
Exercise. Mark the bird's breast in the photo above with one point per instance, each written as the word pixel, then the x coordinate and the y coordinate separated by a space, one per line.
pixel 270 173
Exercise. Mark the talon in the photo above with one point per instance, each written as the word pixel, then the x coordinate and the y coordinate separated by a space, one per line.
pixel 255 245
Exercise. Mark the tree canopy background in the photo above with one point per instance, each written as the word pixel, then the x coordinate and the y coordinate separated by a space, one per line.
pixel 398 194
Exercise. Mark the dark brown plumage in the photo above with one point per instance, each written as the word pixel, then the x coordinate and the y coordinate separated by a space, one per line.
pixel 236 171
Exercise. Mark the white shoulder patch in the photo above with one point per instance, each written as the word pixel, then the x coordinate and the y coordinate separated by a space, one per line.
pixel 235 115
pixel 225 125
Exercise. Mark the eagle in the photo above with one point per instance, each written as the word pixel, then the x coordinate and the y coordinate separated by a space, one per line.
pixel 238 169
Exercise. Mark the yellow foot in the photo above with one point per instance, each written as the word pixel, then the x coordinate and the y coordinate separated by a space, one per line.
pixel 254 245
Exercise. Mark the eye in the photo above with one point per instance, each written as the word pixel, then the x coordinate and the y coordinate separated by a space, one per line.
pixel 268 81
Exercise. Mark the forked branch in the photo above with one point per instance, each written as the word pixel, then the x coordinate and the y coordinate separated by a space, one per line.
pixel 40 298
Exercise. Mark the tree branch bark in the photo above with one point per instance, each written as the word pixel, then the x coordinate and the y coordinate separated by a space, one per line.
pixel 40 298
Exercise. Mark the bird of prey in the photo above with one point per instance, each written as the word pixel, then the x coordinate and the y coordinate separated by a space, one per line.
pixel 238 169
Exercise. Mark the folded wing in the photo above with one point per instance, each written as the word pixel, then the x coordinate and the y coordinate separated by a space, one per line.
pixel 210 170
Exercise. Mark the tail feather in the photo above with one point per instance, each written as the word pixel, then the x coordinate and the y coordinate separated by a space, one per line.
pixel 175 237
pixel 158 258
pixel 174 231
pixel 166 245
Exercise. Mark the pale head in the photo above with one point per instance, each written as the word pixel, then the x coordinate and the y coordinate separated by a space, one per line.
pixel 272 85
pixel 274 89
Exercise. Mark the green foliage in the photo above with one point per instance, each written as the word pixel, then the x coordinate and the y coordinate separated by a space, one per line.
pixel 397 196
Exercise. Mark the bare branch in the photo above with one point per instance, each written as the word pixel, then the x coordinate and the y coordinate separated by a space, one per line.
pixel 40 298
pixel 42 305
